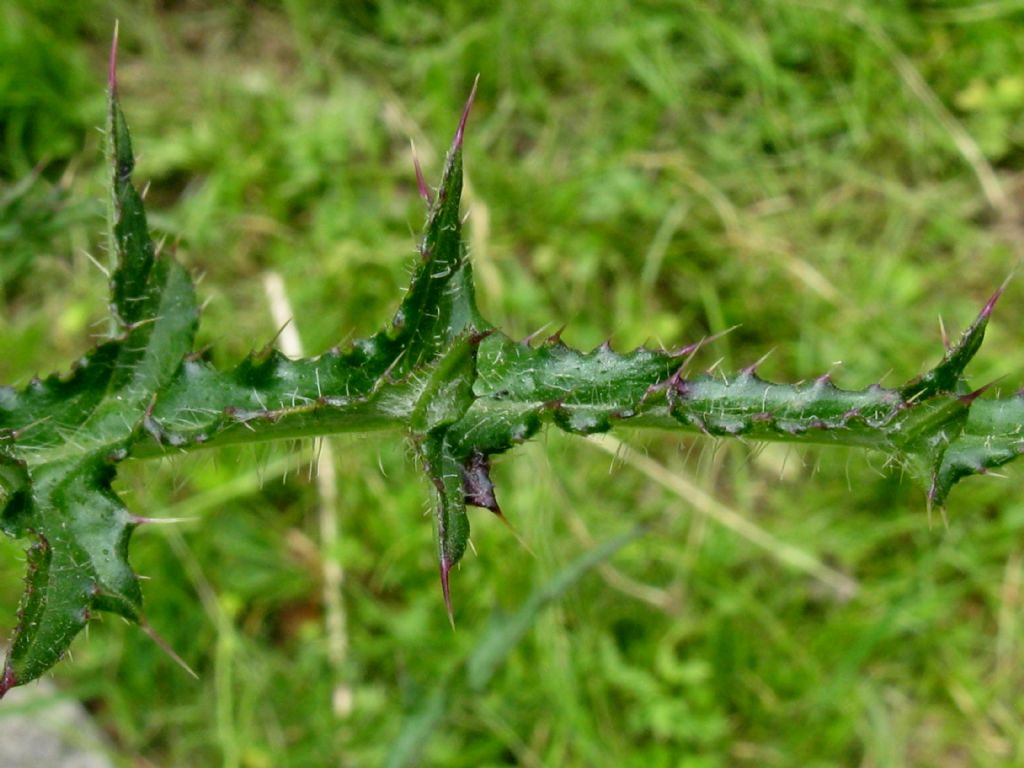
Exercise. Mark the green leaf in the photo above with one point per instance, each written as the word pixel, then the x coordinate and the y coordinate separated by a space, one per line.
pixel 375 384
pixel 519 388
pixel 78 563
pixel 440 305
pixel 948 375
pixel 452 523
pixel 63 436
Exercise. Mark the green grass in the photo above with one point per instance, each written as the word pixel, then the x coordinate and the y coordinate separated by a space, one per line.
pixel 645 171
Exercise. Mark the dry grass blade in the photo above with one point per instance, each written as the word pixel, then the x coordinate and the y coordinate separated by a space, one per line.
pixel 290 344
pixel 842 585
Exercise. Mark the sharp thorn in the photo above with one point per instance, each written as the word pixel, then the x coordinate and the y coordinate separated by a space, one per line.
pixel 460 133
pixel 970 397
pixel 528 341
pixel 138 520
pixel 8 681
pixel 522 542
pixel 97 264
pixel 691 349
pixel 445 569
pixel 991 303
pixel 112 72
pixel 421 182
pixel 164 646
pixel 688 353
pixel 556 337
pixel 478 336
pixel 751 370
pixel 273 339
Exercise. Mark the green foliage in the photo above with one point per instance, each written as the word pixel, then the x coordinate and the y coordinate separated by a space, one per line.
pixel 44 101
pixel 461 390
pixel 63 436
pixel 765 165
pixel 33 214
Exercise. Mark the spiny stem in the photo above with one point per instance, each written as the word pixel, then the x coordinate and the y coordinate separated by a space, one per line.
pixel 460 390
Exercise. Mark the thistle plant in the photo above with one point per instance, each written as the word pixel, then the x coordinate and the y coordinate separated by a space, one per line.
pixel 459 389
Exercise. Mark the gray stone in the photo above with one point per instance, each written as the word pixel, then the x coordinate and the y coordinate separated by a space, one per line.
pixel 42 728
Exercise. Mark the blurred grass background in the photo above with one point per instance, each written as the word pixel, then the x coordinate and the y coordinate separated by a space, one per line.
pixel 830 176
